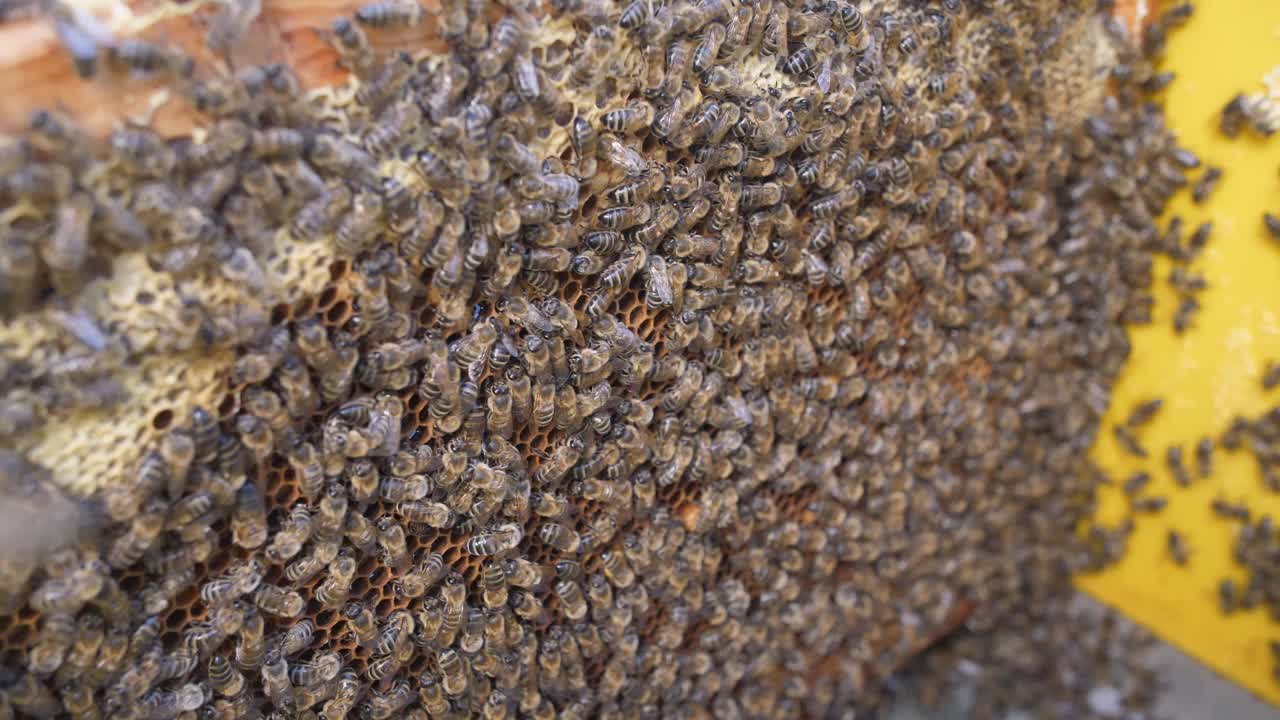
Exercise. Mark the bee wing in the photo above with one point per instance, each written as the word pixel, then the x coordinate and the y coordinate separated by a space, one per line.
pixel 475 371
pixel 658 283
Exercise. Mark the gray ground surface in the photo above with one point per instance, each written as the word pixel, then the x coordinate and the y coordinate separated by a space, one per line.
pixel 1194 693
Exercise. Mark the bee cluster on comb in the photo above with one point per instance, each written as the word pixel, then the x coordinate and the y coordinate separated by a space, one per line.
pixel 625 360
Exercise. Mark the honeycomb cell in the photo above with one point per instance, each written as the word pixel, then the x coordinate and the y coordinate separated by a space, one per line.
pixel 337 314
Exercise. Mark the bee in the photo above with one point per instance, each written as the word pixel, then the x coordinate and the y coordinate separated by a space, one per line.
pixel 1229 510
pixel 322 668
pixel 357 228
pixel 56 639
pixel 385 14
pixel 1149 504
pixel 143 530
pixel 423 577
pixel 1128 441
pixel 274 144
pixel 54 134
pixel 1205 186
pixel 275 681
pixel 391 539
pixel 634 15
pixel 629 118
pixel 612 150
pixel 506 37
pixel 297 638
pixel 1228 596
pixel 66 249
pixel 526 77
pixel 1136 482
pixel 709 48
pixel 170 703
pixel 225 590
pixel 1233 116
pixel 321 215
pixel 1272 224
pixel 431 513
pixel 517 155
pixel 353 48
pixel 78 700
pixel 1177 547
pixel 1185 314
pixel 1204 457
pixel 616 569
pixel 146 59
pixel 452 672
pixel 278 601
pixel 225 679
pixel 660 223
pixel 482 544
pixel 561 538
pixel 362 475
pixel 1173 458
pixel 250 645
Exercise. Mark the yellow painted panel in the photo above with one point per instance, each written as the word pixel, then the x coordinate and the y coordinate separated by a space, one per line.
pixel 1212 373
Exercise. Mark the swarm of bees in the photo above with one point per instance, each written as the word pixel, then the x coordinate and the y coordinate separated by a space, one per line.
pixel 708 360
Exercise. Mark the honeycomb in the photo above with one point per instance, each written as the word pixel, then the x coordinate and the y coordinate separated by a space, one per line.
pixel 723 355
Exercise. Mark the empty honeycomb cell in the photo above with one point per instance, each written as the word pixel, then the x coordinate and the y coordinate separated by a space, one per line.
pixel 359 586
pixel 162 420
pixel 338 314
pixel 281 313
pixel 338 270
pixel 176 618
pixel 284 495
pixel 228 405
pixel 328 296
pixel 327 618
pixel 16 638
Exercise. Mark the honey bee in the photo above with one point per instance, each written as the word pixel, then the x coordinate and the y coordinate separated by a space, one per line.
pixel 170 703
pixel 452 672
pixel 561 538
pixel 224 679
pixel 297 638
pixel 612 150
pixel 421 579
pixel 56 638
pixel 1204 457
pixel 1205 186
pixel 382 88
pixel 145 59
pixel 391 539
pixel 385 14
pixel 322 668
pixel 1177 547
pixel 250 645
pixel 1128 441
pixel 517 155
pixel 526 77
pixel 322 215
pixel 1272 224
pixel 353 48
pixel 278 601
pixel 357 228
pixel 1149 504
pixel 275 681
pixel 362 475
pixel 129 547
pixel 1230 510
pixel 294 531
